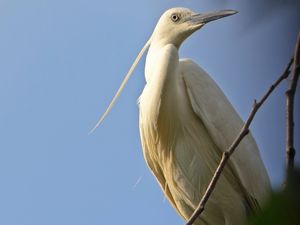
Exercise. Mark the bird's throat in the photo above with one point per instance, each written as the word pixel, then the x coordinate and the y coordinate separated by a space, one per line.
pixel 158 102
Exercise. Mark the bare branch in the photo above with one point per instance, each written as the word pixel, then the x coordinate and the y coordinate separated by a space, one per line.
pixel 226 155
pixel 290 98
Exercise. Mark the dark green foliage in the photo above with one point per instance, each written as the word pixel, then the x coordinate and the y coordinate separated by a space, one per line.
pixel 283 207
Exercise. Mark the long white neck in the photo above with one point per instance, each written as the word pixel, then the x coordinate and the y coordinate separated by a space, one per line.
pixel 159 100
pixel 160 55
pixel 162 74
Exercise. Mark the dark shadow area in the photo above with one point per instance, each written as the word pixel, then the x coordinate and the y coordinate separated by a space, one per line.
pixel 283 207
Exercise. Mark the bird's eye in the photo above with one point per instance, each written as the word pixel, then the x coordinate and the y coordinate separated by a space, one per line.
pixel 175 17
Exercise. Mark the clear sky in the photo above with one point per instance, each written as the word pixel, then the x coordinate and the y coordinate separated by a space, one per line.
pixel 60 64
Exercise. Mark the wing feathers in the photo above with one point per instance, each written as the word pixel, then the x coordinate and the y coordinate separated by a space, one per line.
pixel 223 124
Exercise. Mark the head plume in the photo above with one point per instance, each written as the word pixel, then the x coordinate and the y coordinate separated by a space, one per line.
pixel 129 73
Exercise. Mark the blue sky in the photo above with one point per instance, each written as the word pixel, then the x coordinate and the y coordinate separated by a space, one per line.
pixel 60 64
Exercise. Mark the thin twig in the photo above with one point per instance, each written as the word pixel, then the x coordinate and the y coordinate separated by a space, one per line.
pixel 244 131
pixel 290 98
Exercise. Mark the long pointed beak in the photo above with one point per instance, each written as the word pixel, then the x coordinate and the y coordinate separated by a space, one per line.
pixel 203 18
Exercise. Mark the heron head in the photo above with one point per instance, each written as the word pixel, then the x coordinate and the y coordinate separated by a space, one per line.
pixel 176 24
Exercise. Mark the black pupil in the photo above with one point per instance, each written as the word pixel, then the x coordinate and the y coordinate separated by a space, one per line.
pixel 175 17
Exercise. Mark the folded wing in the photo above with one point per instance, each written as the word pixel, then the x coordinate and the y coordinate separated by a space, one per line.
pixel 224 124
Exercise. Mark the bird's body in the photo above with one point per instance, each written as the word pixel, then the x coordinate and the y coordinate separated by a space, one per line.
pixel 181 150
pixel 186 123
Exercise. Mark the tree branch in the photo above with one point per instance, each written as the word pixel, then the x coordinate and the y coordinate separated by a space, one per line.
pixel 290 98
pixel 226 155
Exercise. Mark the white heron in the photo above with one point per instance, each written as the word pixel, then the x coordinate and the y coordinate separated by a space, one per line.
pixel 186 122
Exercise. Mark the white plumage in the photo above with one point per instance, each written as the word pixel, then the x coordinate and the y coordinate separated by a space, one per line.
pixel 186 122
